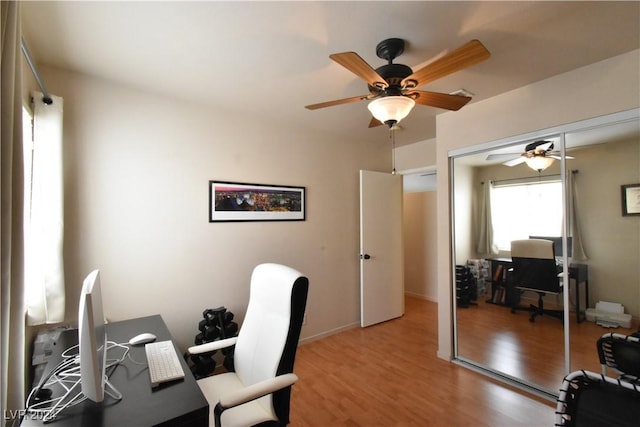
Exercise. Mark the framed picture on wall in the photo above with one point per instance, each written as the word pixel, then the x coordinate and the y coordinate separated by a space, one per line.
pixel 236 201
pixel 631 199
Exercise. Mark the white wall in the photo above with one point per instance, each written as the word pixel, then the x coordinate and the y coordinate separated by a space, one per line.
pixel 137 167
pixel 416 156
pixel 419 229
pixel 464 214
pixel 419 218
pixel 612 241
pixel 595 90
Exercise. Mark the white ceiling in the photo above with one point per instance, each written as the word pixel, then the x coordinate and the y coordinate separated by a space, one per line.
pixel 267 60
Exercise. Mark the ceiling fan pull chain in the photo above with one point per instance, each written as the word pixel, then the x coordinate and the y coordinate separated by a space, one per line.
pixel 392 137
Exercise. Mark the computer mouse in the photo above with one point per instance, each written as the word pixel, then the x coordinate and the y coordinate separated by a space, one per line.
pixel 142 339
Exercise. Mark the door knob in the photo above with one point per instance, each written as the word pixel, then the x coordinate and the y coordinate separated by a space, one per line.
pixel 365 256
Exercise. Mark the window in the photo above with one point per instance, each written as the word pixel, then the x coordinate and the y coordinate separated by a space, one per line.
pixel 27 145
pixel 43 212
pixel 523 210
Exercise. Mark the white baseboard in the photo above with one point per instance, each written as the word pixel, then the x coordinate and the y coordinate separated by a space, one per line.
pixel 356 324
pixel 328 333
pixel 421 296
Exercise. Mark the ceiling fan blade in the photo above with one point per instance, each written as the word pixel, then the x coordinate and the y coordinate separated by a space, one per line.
pixel 559 157
pixel 375 122
pixel 440 100
pixel 358 66
pixel 514 162
pixel 337 102
pixel 465 56
pixel 501 156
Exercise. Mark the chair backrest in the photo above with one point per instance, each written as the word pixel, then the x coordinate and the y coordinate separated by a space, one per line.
pixel 590 399
pixel 620 352
pixel 268 339
pixel 534 265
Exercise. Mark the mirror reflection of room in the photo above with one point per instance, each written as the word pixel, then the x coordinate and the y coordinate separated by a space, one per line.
pixel 514 326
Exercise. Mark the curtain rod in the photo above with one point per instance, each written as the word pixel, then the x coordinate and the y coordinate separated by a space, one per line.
pixel 494 181
pixel 46 98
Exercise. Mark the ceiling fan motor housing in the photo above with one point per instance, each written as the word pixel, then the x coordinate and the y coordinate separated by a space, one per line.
pixel 393 74
pixel 390 49
pixel 534 145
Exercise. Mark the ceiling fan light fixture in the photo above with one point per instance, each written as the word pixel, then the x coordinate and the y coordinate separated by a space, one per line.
pixel 539 163
pixel 391 109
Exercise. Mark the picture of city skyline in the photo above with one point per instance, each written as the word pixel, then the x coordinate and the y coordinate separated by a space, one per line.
pixel 248 202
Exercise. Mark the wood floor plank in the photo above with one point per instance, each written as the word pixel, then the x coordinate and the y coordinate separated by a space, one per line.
pixel 389 375
pixel 509 342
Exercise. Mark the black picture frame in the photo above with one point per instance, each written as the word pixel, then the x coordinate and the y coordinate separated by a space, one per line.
pixel 630 199
pixel 237 202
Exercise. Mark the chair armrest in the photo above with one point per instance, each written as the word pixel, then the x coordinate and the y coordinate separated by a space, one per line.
pixel 212 346
pixel 257 390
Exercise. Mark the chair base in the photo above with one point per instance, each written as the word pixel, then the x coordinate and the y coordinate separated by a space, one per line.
pixel 539 310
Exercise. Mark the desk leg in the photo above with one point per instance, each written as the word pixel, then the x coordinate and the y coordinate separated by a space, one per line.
pixel 586 298
pixel 577 300
pixel 580 317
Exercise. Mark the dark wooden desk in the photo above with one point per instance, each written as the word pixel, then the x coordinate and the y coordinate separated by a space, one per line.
pixel 179 403
pixel 579 273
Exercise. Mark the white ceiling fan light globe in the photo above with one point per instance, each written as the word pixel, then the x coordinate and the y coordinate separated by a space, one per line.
pixel 539 163
pixel 391 108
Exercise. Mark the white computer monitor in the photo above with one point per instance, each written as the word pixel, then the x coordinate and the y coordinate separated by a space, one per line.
pixel 92 338
pixel 83 376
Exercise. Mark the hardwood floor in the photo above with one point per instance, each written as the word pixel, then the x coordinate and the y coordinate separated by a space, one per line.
pixel 508 342
pixel 389 375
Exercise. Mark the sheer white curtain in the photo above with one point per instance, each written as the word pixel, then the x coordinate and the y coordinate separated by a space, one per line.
pixel 44 225
pixel 578 252
pixel 486 244
pixel 12 348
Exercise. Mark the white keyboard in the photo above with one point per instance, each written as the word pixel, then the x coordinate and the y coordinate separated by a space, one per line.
pixel 163 361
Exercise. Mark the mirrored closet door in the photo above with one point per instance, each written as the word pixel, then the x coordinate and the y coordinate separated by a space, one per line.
pixel 564 187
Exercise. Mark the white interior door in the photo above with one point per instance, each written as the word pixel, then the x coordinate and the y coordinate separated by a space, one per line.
pixel 381 258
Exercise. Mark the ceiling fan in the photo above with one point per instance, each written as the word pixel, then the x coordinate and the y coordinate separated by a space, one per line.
pixel 535 155
pixel 393 86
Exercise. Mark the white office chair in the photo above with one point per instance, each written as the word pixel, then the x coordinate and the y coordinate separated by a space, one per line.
pixel 259 391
